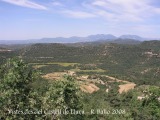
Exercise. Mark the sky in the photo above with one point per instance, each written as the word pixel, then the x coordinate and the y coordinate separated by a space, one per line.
pixel 35 19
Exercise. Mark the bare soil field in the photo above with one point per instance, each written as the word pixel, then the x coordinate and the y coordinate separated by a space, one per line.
pixel 126 87
pixel 89 88
pixel 88 85
pixel 54 76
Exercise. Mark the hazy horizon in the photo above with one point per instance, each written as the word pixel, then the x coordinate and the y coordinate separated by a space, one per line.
pixel 36 19
pixel 74 36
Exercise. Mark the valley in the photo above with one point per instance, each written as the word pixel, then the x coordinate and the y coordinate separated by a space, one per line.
pixel 104 75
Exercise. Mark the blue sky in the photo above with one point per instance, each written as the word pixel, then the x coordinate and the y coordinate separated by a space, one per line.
pixel 32 19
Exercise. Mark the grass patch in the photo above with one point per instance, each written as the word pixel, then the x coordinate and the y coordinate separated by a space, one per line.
pixel 55 63
pixel 65 64
pixel 96 70
pixel 39 66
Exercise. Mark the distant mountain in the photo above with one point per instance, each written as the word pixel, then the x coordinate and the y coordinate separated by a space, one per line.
pixel 133 37
pixel 75 39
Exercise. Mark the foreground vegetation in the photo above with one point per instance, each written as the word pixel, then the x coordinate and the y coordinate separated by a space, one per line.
pixel 24 95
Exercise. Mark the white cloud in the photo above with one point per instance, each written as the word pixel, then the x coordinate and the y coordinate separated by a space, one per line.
pixel 156 10
pixel 78 14
pixel 26 3
pixel 111 10
pixel 57 4
pixel 100 3
pixel 122 10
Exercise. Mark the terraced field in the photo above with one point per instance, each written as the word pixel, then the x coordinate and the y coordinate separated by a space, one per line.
pixel 88 85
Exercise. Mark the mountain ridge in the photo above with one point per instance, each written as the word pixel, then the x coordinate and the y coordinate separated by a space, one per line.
pixel 76 39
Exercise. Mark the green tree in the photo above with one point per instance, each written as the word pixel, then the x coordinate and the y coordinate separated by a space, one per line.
pixel 22 94
pixel 63 95
pixel 16 93
pixel 152 102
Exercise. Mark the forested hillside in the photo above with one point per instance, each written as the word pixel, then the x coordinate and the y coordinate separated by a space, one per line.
pixel 138 63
